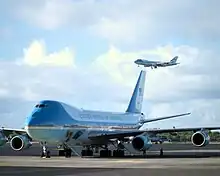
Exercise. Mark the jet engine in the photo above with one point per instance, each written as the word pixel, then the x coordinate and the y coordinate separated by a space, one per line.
pixel 200 139
pixel 141 143
pixel 3 139
pixel 20 142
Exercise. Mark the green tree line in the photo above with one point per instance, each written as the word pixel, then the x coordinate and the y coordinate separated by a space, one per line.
pixel 186 136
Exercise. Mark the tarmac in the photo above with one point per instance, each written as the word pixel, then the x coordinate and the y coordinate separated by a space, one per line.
pixel 22 166
pixel 197 161
pixel 177 149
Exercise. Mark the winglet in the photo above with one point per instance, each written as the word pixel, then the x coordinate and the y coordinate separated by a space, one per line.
pixel 135 104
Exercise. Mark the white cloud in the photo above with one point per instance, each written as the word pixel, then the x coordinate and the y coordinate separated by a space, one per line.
pixel 36 54
pixel 168 90
pixel 128 21
pixel 194 78
pixel 203 113
pixel 40 75
pixel 115 30
pixel 46 14
pixel 192 86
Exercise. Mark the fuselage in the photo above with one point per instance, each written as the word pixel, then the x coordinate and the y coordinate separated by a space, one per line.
pixel 56 122
pixel 148 63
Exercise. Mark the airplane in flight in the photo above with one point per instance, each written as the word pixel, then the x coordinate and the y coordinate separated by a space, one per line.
pixel 155 64
pixel 55 122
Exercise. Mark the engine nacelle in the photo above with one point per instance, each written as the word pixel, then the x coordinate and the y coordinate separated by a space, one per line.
pixel 200 139
pixel 20 142
pixel 141 143
pixel 3 139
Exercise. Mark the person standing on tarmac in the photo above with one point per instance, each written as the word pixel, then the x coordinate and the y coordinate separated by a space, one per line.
pixel 161 152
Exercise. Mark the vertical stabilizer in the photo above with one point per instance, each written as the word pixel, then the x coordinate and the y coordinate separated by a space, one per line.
pixel 135 104
pixel 174 59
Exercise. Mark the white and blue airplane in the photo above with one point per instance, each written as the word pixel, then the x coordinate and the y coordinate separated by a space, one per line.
pixel 55 122
pixel 155 64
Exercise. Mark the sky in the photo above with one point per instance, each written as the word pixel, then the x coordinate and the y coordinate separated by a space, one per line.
pixel 83 52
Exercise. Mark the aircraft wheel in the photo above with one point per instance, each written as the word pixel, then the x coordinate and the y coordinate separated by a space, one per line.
pixel 83 153
pixel 118 153
pixel 68 153
pixel 87 153
pixel 115 153
pixel 105 153
pixel 90 153
pixel 121 153
pixel 102 153
pixel 109 153
pixel 61 152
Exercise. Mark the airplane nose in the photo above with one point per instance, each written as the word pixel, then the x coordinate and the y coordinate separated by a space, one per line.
pixel 32 120
pixel 28 125
pixel 31 126
pixel 31 123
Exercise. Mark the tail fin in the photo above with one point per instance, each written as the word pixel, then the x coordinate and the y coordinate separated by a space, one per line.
pixel 174 59
pixel 135 104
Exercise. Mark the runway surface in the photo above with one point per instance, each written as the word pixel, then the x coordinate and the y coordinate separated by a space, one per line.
pixel 178 159
pixel 90 166
pixel 18 171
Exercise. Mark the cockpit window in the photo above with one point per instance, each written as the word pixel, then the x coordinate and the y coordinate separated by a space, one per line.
pixel 41 106
pixel 139 60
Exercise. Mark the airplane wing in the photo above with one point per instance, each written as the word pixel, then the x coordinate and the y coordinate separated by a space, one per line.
pixel 12 132
pixel 163 118
pixel 122 134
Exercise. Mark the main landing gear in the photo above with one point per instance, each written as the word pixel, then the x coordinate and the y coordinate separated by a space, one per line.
pixel 104 153
pixel 119 152
pixel 66 151
pixel 87 152
pixel 45 153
